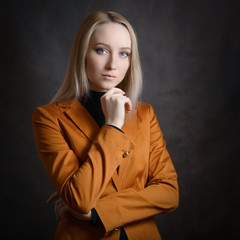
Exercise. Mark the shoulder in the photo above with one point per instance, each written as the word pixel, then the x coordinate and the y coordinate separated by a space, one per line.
pixel 144 108
pixel 145 113
pixel 53 109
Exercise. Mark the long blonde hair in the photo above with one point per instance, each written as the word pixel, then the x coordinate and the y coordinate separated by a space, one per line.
pixel 76 83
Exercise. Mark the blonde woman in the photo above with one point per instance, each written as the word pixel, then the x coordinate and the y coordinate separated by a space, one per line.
pixel 104 150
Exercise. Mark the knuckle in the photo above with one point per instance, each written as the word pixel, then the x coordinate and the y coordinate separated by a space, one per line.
pixel 118 100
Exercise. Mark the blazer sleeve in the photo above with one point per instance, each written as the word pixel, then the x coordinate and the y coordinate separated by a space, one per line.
pixel 161 195
pixel 79 186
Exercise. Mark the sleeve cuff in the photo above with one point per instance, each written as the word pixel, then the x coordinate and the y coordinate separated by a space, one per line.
pixel 115 127
pixel 95 218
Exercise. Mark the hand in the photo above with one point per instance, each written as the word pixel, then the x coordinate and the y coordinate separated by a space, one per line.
pixel 114 104
pixel 64 212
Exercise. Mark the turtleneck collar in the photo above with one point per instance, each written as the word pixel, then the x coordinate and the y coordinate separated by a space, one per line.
pixel 96 95
pixel 93 105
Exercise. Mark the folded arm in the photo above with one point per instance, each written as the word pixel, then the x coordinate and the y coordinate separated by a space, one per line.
pixel 161 195
pixel 79 186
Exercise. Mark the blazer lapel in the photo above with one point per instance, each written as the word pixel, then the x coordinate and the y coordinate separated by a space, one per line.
pixel 82 119
pixel 85 122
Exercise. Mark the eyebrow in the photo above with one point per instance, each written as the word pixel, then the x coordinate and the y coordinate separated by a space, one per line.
pixel 104 44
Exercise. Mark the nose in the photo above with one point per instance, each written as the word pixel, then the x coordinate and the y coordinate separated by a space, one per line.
pixel 111 63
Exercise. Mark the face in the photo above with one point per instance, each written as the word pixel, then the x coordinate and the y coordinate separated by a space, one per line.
pixel 108 56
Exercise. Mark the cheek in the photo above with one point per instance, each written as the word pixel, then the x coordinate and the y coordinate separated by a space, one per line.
pixel 125 67
pixel 90 66
pixel 93 63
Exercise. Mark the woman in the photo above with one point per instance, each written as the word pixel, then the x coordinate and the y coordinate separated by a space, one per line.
pixel 103 150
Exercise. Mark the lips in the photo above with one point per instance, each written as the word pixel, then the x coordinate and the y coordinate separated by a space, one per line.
pixel 108 76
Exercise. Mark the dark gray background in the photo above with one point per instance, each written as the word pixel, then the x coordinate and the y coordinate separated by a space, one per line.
pixel 190 58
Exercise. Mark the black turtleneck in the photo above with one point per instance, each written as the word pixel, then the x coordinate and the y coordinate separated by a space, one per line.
pixel 93 105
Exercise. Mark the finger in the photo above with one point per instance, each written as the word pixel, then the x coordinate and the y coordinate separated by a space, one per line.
pixel 128 105
pixel 114 91
pixel 112 96
pixel 56 212
pixel 80 216
pixel 59 208
pixel 53 197
pixel 59 203
pixel 63 214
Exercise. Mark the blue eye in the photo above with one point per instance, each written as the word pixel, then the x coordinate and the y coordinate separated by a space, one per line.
pixel 101 50
pixel 124 54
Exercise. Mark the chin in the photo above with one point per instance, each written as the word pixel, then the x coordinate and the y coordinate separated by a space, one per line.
pixel 103 87
pixel 106 88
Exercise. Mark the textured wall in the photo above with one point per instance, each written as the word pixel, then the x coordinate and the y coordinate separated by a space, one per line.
pixel 190 57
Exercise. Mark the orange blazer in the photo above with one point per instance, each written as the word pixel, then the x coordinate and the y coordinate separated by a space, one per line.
pixel 81 160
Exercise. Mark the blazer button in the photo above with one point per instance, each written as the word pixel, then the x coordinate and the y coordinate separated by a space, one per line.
pixel 116 229
pixel 126 154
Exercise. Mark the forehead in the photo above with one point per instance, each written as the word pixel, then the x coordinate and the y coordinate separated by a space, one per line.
pixel 113 34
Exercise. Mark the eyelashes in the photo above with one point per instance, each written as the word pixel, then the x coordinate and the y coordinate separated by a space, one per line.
pixel 124 54
pixel 103 51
